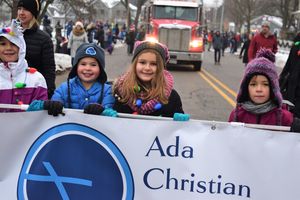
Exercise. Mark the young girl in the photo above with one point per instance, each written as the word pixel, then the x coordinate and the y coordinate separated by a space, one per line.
pixel 259 100
pixel 147 88
pixel 19 84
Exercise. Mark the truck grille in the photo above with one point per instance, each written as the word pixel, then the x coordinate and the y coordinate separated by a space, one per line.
pixel 176 39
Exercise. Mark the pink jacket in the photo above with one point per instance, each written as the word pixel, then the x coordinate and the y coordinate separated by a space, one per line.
pixel 269 118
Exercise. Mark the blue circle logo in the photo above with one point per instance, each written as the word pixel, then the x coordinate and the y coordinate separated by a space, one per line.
pixel 90 51
pixel 73 161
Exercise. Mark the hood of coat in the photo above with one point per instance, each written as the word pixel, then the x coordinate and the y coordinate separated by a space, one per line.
pixel 15 35
pixel 263 64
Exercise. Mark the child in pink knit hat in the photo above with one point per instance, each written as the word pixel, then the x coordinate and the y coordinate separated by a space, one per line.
pixel 147 87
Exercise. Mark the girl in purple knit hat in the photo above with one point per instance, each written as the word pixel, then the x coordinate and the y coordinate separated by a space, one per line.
pixel 147 88
pixel 259 100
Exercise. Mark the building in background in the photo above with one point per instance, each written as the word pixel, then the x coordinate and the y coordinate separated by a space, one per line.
pixel 5 14
pixel 255 27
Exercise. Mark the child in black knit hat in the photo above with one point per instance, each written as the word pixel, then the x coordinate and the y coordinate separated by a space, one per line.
pixel 86 86
pixel 147 88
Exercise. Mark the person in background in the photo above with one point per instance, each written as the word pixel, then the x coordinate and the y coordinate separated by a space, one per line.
pixel 58 28
pixel 116 32
pixel 109 42
pixel 39 46
pixel 225 42
pixel 91 32
pixel 69 28
pixel 19 83
pixel 290 77
pixel 77 37
pixel 265 39
pixel 259 100
pixel 217 44
pixel 130 39
pixel 147 87
pixel 47 25
pixel 209 39
pixel 86 86
pixel 58 37
pixel 140 36
pixel 244 49
pixel 100 36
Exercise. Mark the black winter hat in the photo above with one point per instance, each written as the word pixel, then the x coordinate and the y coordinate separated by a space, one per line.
pixel 90 50
pixel 34 6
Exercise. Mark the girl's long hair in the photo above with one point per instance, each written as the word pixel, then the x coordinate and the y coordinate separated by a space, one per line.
pixel 32 23
pixel 157 86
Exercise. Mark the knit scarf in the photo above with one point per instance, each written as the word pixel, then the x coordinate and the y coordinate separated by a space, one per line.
pixel 258 108
pixel 78 32
pixel 146 107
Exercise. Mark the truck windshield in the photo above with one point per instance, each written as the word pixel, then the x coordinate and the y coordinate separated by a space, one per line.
pixel 171 12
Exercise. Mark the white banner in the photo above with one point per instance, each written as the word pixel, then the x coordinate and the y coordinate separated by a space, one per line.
pixel 79 156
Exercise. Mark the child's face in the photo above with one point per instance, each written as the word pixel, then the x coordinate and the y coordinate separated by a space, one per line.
pixel 25 16
pixel 146 67
pixel 9 52
pixel 88 70
pixel 259 89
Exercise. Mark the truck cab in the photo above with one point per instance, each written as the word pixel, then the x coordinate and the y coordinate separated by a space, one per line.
pixel 177 25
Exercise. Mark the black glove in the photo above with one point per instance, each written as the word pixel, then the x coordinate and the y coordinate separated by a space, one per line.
pixel 94 109
pixel 54 107
pixel 295 127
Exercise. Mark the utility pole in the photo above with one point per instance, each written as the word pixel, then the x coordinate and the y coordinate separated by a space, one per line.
pixel 222 17
pixel 215 14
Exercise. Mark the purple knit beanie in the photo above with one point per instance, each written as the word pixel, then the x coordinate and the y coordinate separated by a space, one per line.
pixel 263 64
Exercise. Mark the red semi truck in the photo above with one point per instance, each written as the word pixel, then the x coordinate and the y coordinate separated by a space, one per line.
pixel 176 24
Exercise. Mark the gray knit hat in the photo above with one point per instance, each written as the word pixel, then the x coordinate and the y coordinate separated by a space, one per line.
pixel 90 50
pixel 263 64
pixel 266 23
pixel 162 49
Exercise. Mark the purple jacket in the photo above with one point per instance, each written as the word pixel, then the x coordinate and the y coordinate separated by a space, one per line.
pixel 269 118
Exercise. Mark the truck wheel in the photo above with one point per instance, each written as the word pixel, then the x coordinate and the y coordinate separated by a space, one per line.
pixel 197 65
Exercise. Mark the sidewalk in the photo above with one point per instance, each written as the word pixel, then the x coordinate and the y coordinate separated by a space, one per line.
pixel 281 56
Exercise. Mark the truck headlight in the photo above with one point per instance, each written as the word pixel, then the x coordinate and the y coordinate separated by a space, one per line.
pixel 152 39
pixel 196 43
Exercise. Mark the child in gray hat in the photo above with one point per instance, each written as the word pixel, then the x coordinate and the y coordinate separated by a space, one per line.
pixel 86 87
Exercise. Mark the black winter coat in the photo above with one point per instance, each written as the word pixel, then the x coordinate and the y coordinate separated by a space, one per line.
pixel 40 55
pixel 168 110
pixel 289 79
pixel 244 50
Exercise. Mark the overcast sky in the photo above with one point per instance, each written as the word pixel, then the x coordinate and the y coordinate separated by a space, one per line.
pixel 207 3
pixel 212 3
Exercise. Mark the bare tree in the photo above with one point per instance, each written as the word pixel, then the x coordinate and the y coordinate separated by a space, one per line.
pixel 139 5
pixel 14 3
pixel 44 9
pixel 82 9
pixel 284 10
pixel 241 11
pixel 126 4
